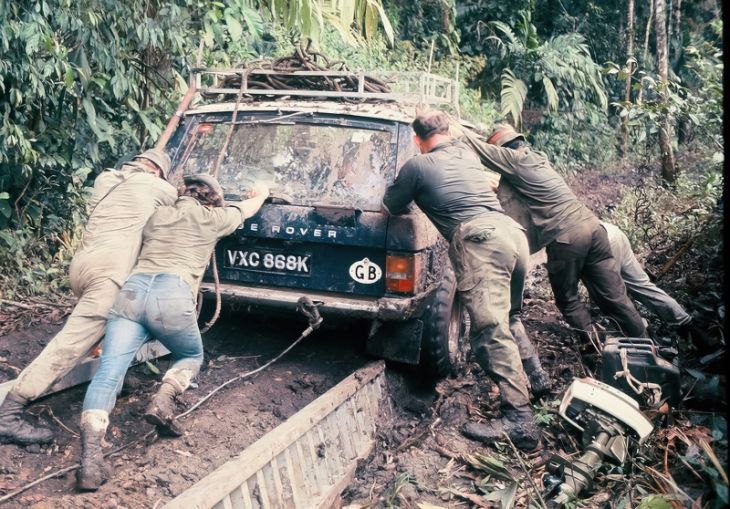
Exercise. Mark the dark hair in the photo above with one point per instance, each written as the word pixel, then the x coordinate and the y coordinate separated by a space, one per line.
pixel 428 124
pixel 515 144
pixel 204 194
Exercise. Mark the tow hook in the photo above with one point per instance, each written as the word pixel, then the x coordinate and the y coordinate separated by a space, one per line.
pixel 309 309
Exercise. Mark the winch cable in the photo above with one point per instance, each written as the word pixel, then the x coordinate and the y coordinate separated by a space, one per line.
pixel 213 262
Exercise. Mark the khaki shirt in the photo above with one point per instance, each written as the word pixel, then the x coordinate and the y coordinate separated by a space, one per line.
pixel 180 239
pixel 113 234
pixel 553 206
pixel 448 184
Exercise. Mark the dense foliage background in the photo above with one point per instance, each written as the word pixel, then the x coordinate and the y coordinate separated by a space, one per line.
pixel 630 89
pixel 86 84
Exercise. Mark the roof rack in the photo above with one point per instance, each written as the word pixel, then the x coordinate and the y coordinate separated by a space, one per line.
pixel 414 87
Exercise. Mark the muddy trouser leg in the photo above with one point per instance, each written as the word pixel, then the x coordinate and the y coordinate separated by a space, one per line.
pixel 484 270
pixel 517 288
pixel 606 287
pixel 538 379
pixel 82 331
pixel 171 317
pixel 565 258
pixel 640 288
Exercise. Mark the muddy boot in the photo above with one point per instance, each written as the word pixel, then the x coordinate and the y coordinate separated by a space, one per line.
pixel 94 471
pixel 540 383
pixel 161 411
pixel 16 430
pixel 517 423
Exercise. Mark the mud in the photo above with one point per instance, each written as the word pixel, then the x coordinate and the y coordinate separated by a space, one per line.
pixel 149 474
pixel 420 455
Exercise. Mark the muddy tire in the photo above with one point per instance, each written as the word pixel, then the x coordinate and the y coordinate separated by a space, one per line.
pixel 443 341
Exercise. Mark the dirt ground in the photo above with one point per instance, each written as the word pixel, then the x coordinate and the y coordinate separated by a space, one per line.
pixel 420 459
pixel 149 474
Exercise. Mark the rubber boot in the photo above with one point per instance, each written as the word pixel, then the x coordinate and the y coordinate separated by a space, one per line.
pixel 16 430
pixel 517 423
pixel 161 411
pixel 94 471
pixel 540 383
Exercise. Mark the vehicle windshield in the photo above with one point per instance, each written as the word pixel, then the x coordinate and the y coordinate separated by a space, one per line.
pixel 307 163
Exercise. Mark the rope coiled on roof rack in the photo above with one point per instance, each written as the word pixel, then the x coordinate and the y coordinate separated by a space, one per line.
pixel 305 58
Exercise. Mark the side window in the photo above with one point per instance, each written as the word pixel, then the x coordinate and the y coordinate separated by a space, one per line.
pixel 407 148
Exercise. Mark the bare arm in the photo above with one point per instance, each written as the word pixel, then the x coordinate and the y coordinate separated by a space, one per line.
pixel 234 213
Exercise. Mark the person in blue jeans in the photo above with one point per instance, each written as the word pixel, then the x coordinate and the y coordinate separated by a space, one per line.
pixel 158 301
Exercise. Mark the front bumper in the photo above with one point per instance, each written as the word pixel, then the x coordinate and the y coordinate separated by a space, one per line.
pixel 384 308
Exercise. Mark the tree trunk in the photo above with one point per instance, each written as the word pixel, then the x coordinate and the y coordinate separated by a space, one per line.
pixel 669 167
pixel 675 23
pixel 630 66
pixel 645 54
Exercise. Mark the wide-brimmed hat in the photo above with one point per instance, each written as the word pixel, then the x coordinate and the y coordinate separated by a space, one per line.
pixel 159 158
pixel 206 179
pixel 503 134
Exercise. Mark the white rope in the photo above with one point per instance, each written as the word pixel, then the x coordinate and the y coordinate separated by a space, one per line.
pixel 654 391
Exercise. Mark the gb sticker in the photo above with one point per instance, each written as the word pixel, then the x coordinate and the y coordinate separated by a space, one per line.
pixel 365 272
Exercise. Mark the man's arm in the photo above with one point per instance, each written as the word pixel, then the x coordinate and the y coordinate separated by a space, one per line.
pixel 402 191
pixel 233 214
pixel 495 158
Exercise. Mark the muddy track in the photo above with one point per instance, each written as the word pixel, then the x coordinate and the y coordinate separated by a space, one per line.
pixel 149 474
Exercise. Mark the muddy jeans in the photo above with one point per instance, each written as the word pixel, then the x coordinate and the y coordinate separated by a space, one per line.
pixel 584 253
pixel 489 255
pixel 81 332
pixel 640 286
pixel 149 305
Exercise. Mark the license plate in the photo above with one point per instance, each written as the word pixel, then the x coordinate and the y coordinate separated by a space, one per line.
pixel 268 261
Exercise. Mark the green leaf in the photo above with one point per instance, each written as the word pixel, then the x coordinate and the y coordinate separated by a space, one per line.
pixel 551 93
pixel 512 96
pixel 655 502
pixel 152 367
pixel 69 77
pixel 254 21
pixel 234 27
pixel 91 117
pixel 5 209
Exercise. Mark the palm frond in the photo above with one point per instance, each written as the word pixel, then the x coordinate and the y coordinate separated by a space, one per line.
pixel 505 30
pixel 512 96
pixel 551 94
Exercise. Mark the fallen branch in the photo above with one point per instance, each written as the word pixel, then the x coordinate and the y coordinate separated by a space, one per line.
pixel 525 470
pixel 474 499
pixel 20 304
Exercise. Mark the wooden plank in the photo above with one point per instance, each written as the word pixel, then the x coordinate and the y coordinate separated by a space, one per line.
pixel 232 474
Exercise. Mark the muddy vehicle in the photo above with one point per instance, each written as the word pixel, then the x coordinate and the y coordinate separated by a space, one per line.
pixel 322 233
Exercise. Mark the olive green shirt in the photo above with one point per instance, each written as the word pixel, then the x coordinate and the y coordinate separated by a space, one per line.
pixel 553 206
pixel 448 184
pixel 180 239
pixel 113 234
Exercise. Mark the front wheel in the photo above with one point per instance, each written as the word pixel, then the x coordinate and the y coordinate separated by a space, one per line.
pixel 443 343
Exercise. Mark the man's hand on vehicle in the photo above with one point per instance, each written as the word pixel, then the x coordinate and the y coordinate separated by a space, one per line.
pixel 259 189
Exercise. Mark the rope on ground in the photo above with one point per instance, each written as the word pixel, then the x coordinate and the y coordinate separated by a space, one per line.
pixel 143 438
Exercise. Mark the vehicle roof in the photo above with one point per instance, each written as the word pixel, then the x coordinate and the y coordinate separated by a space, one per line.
pixel 372 110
